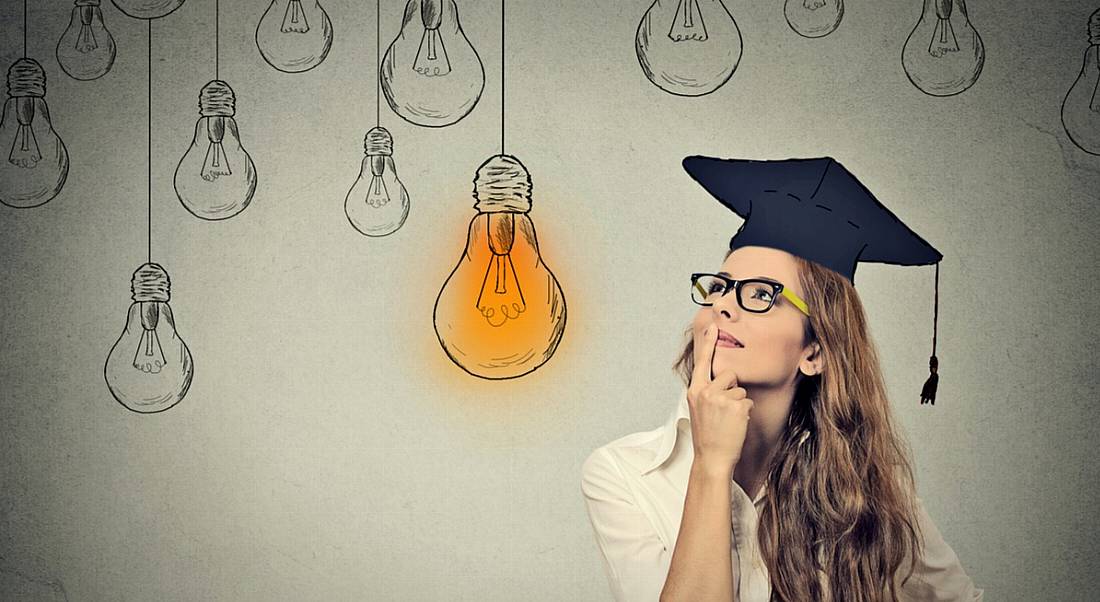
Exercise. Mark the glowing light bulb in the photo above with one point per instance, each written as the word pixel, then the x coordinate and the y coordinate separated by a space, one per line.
pixel 431 75
pixel 147 9
pixel 944 54
pixel 1081 108
pixel 377 203
pixel 216 177
pixel 813 18
pixel 86 50
pixel 36 162
pixel 688 47
pixel 149 368
pixel 294 35
pixel 501 312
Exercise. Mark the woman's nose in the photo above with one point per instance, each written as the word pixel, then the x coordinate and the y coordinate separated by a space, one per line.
pixel 726 306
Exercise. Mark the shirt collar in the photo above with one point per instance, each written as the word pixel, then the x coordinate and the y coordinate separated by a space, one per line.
pixel 671 430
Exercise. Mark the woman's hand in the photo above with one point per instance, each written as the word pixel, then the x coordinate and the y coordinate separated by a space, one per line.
pixel 719 410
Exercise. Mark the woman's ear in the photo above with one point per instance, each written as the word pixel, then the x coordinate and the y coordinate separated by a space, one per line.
pixel 812 361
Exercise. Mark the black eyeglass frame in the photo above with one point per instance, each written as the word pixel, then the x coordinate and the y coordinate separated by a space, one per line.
pixel 736 286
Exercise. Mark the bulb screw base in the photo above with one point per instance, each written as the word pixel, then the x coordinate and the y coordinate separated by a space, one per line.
pixel 378 142
pixel 502 183
pixel 217 100
pixel 26 78
pixel 1094 28
pixel 150 283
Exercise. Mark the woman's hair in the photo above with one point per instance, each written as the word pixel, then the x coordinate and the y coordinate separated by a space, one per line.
pixel 840 519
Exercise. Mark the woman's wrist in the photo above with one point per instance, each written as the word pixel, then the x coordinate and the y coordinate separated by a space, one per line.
pixel 702 468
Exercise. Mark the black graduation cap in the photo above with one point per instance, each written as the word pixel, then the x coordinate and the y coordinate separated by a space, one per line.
pixel 815 209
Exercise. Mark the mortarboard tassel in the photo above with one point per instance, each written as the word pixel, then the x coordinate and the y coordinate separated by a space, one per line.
pixel 928 392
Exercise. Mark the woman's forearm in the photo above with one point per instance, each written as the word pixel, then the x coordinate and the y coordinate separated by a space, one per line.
pixel 701 568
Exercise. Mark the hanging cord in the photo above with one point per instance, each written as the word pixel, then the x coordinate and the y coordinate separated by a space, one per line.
pixel 217 39
pixel 502 77
pixel 378 62
pixel 24 28
pixel 149 162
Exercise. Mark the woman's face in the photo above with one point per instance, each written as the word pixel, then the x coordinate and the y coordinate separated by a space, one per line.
pixel 773 350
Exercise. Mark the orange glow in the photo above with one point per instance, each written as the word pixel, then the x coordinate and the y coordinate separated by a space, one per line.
pixel 491 347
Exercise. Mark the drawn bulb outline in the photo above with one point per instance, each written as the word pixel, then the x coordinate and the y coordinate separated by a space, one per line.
pixel 377 203
pixel 149 368
pixel 813 18
pixel 86 50
pixel 431 74
pixel 216 178
pixel 688 47
pixel 147 9
pixel 944 54
pixel 294 35
pixel 501 312
pixel 1081 106
pixel 36 164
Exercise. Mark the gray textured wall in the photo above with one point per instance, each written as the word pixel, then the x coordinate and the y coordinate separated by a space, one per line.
pixel 329 450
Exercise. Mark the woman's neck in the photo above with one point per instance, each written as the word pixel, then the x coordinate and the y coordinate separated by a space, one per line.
pixel 768 418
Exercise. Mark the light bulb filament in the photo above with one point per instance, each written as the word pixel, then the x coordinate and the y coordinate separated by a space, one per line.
pixel 688 23
pixel 813 4
pixel 377 195
pixel 85 40
pixel 294 20
pixel 150 356
pixel 1095 104
pixel 943 37
pixel 431 57
pixel 216 163
pixel 24 148
pixel 501 298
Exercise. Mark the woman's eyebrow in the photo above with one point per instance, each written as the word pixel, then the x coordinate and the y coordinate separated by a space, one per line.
pixel 727 275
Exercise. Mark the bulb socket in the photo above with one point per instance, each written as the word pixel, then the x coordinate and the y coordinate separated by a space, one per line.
pixel 378 142
pixel 217 100
pixel 26 78
pixel 150 283
pixel 502 183
pixel 86 2
pixel 1094 28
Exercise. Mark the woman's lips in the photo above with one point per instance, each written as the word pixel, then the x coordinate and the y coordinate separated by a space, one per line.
pixel 726 339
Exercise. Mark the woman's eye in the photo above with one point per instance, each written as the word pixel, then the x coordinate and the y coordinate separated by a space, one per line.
pixel 716 287
pixel 762 294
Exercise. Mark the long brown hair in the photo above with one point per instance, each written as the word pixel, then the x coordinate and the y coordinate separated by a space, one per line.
pixel 840 519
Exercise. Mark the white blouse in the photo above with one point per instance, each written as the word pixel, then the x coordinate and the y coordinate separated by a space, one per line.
pixel 634 489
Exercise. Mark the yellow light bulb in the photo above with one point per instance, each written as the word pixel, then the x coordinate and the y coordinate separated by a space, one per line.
pixel 501 313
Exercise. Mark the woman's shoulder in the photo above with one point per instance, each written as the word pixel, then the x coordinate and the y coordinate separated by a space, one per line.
pixel 627 454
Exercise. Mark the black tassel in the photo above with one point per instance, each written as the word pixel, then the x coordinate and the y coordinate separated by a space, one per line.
pixel 928 392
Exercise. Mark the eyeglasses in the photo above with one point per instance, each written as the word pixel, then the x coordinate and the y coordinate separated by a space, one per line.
pixel 755 295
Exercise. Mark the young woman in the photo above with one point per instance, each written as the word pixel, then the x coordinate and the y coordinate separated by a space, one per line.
pixel 780 475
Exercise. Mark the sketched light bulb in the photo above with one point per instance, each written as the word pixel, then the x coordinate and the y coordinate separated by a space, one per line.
pixel 1081 108
pixel 944 54
pixel 36 162
pixel 688 47
pixel 86 50
pixel 501 312
pixel 147 9
pixel 377 203
pixel 216 177
pixel 431 74
pixel 149 368
pixel 294 35
pixel 813 18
